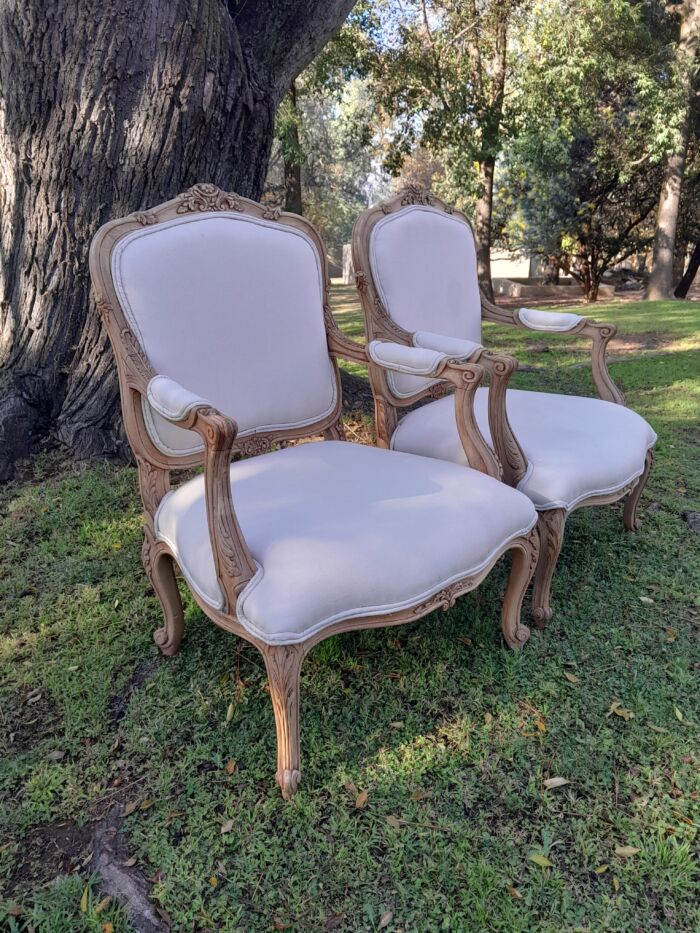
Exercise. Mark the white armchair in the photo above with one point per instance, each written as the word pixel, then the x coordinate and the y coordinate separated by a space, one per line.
pixel 217 307
pixel 415 263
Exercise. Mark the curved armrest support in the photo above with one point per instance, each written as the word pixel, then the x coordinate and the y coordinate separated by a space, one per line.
pixel 564 323
pixel 339 345
pixel 464 376
pixel 232 559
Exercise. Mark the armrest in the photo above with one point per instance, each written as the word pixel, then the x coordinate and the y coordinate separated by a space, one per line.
pixel 402 359
pixel 233 561
pixel 551 321
pixel 564 322
pixel 454 347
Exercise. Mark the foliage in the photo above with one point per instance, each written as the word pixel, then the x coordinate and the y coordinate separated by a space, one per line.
pixel 451 736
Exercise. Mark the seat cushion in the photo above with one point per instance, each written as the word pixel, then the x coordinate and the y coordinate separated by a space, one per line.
pixel 576 447
pixel 341 530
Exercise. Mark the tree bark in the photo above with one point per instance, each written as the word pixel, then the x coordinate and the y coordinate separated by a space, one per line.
pixel 291 152
pixel 685 283
pixel 482 225
pixel 661 278
pixel 107 108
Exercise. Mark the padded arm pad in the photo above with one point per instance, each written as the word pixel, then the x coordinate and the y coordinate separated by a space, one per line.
pixel 415 361
pixel 454 347
pixel 553 321
pixel 170 399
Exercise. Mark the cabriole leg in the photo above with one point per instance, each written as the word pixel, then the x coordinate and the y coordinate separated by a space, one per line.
pixel 629 515
pixel 524 560
pixel 551 528
pixel 159 569
pixel 283 663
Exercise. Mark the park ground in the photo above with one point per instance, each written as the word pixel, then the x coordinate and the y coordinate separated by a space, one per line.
pixel 428 750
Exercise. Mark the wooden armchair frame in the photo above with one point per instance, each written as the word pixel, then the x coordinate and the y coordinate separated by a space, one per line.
pixel 380 326
pixel 221 442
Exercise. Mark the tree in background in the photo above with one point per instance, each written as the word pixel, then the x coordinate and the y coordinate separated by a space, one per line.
pixel 441 73
pixel 579 183
pixel 108 108
pixel 683 86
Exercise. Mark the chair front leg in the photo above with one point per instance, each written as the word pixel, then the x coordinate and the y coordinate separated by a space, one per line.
pixel 551 527
pixel 283 663
pixel 525 552
pixel 629 515
pixel 158 565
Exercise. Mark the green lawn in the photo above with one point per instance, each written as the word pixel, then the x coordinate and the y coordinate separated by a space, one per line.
pixel 450 735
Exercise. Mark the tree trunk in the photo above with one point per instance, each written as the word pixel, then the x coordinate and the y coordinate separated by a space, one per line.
pixel 661 278
pixel 685 283
pixel 482 225
pixel 551 270
pixel 107 108
pixel 292 155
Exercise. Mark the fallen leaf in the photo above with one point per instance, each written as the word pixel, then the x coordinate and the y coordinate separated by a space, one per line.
pixel 551 783
pixel 396 725
pixel 334 921
pixel 230 766
pixel 385 919
pixel 361 800
pixel 56 756
pixel 572 678
pixel 541 725
pixel 226 827
pixel 130 807
pixel 130 862
pixel 647 600
pixel 616 884
pixel 677 713
pixel 600 869
pixel 656 728
pixel 421 794
pixel 280 925
pixel 488 718
pixel 146 804
pixel 394 822
pixel 213 881
pixel 465 640
pixel 540 860
pixel 15 911
pixel 84 899
pixel 107 927
pixel 619 710
pixel 351 788
pixel 229 713
pixel 515 893
pixel 626 851
pixel 116 603
pixel 670 635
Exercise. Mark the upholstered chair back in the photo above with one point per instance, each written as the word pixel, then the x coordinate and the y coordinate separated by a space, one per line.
pixel 423 263
pixel 230 305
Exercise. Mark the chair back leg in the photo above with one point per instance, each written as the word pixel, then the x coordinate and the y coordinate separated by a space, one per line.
pixel 629 515
pixel 283 663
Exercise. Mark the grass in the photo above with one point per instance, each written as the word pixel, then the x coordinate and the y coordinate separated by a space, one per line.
pixel 450 735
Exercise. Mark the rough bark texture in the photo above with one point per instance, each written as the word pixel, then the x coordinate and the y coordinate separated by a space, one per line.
pixel 482 226
pixel 107 107
pixel 683 286
pixel 661 278
pixel 291 147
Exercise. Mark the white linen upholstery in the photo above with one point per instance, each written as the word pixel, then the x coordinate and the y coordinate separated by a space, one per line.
pixel 400 358
pixel 341 530
pixel 230 306
pixel 170 399
pixel 576 447
pixel 424 267
pixel 553 321
pixel 453 347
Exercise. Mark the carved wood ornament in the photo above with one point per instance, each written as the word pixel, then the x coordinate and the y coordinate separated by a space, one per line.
pixel 508 453
pixel 221 442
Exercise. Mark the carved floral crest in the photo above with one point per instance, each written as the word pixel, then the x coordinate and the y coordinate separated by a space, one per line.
pixel 205 197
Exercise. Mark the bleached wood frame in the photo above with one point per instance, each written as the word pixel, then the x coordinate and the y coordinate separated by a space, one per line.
pixel 380 326
pixel 233 561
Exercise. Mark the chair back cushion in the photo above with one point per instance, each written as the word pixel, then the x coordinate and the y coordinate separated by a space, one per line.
pixel 423 264
pixel 231 307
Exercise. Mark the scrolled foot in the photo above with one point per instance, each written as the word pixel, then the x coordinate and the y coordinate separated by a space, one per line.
pixel 525 551
pixel 288 782
pixel 158 565
pixel 167 641
pixel 517 638
pixel 541 615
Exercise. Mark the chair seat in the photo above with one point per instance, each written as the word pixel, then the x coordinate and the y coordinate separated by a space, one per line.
pixel 341 530
pixel 576 447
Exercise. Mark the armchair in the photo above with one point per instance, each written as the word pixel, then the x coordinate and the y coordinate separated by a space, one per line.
pixel 415 265
pixel 217 307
